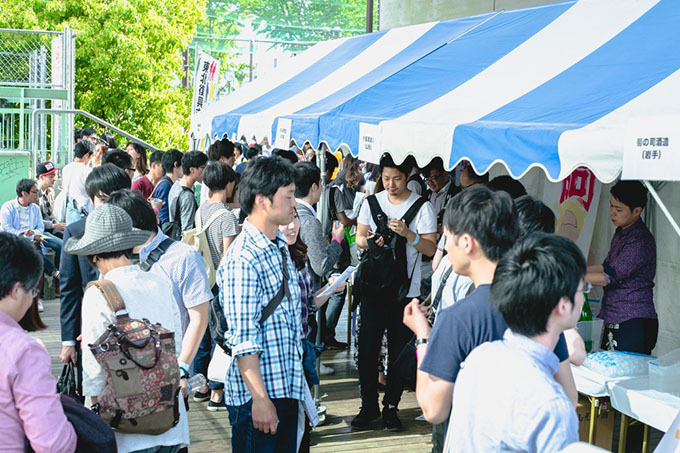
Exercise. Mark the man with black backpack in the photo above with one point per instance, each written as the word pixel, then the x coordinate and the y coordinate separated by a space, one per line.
pixel 397 227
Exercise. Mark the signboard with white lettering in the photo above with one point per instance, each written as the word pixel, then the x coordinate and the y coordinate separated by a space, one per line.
pixel 283 133
pixel 652 149
pixel 369 144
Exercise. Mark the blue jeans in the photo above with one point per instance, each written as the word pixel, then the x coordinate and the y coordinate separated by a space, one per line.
pixel 333 312
pixel 246 439
pixel 55 243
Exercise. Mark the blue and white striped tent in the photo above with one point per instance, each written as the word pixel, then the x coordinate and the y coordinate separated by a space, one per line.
pixel 552 86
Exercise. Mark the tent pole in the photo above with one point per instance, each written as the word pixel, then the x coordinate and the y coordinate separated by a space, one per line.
pixel 663 207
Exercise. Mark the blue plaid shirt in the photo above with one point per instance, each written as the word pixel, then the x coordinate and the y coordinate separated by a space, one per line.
pixel 249 276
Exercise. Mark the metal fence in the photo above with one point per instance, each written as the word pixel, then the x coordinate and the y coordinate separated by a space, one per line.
pixel 32 58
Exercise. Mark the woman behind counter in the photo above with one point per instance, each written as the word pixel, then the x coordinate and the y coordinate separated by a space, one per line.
pixel 627 275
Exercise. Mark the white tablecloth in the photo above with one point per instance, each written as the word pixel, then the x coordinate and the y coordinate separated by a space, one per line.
pixel 634 398
pixel 591 383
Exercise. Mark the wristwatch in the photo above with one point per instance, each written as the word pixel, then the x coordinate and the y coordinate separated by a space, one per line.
pixel 420 341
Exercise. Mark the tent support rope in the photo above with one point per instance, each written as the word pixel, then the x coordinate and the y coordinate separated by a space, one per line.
pixel 663 207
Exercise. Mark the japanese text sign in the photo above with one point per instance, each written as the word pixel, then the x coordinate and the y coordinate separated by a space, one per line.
pixel 652 149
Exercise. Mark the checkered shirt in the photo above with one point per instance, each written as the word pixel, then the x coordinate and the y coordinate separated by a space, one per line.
pixel 249 276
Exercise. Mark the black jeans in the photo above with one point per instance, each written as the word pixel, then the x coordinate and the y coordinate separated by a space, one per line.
pixel 635 335
pixel 376 317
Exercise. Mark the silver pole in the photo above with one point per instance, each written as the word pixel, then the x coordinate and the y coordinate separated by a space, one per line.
pixel 662 206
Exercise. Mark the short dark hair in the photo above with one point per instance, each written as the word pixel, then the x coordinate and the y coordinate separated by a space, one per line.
pixel 171 159
pixel 193 159
pixel 473 176
pixel 533 215
pixel 490 217
pixel 20 263
pixel 286 154
pixel 263 177
pixel 531 279
pixel 106 178
pixel 119 158
pixel 307 174
pixel 108 139
pixel 221 148
pixel 435 164
pixel 87 132
pixel 405 167
pixel 156 156
pixel 137 207
pixel 109 255
pixel 82 148
pixel 631 193
pixel 331 161
pixel 77 134
pixel 505 183
pixel 25 185
pixel 217 175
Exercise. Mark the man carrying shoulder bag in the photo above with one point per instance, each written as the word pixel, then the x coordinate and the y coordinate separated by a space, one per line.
pixel 397 236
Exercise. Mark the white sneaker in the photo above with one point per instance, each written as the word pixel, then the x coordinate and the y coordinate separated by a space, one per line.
pixel 325 370
pixel 41 308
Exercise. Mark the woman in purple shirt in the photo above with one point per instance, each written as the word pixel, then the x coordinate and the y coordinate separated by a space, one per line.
pixel 30 408
pixel 627 275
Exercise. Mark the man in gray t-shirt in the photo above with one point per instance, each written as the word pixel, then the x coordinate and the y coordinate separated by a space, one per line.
pixel 181 199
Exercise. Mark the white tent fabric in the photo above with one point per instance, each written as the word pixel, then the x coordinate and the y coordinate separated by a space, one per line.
pixel 552 86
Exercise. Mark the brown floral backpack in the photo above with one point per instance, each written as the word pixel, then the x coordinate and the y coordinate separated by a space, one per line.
pixel 142 374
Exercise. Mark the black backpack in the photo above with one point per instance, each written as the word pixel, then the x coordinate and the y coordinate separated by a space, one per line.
pixel 382 273
pixel 173 228
pixel 416 177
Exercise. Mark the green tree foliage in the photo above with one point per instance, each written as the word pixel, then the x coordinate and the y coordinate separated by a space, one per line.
pixel 128 58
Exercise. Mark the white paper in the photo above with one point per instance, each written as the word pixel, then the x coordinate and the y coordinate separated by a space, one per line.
pixel 338 282
pixel 369 144
pixel 651 149
pixel 283 133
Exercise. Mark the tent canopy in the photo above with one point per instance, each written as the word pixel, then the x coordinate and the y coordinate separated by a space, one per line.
pixel 552 86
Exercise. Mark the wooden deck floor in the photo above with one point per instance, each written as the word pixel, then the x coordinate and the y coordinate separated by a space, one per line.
pixel 210 431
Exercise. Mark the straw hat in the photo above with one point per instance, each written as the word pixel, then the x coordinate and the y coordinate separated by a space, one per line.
pixel 107 229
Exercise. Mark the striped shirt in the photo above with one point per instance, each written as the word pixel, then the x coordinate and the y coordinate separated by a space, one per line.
pixel 249 277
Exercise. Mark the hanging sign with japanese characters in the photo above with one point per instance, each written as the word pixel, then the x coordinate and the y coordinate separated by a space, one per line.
pixel 369 146
pixel 282 139
pixel 652 149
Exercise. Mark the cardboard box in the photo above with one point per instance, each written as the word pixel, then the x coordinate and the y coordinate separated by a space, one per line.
pixel 605 422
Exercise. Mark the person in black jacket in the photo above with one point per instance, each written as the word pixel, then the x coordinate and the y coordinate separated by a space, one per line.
pixel 75 271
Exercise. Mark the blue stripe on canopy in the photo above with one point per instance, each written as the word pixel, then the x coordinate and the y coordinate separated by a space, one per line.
pixel 444 70
pixel 344 53
pixel 528 130
pixel 305 121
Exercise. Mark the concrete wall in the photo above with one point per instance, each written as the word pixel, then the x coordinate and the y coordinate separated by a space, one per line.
pixel 398 13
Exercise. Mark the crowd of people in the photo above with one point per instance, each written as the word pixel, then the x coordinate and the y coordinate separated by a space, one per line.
pixel 462 291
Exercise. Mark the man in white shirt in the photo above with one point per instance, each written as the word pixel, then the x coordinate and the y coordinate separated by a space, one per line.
pixel 380 310
pixel 73 175
pixel 506 397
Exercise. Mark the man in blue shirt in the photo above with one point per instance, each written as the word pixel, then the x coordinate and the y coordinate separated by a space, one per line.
pixel 265 382
pixel 172 167
pixel 480 227
pixel 506 397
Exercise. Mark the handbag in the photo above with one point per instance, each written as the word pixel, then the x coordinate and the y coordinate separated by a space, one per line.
pixel 406 364
pixel 69 383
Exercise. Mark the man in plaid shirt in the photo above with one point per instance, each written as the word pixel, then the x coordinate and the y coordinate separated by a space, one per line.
pixel 265 382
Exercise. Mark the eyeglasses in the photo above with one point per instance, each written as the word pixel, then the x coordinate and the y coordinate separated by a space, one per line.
pixel 434 178
pixel 587 286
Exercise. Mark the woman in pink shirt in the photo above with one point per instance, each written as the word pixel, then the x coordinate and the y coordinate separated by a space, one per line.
pixel 29 405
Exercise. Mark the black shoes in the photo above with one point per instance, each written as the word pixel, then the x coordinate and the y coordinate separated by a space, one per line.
pixel 332 344
pixel 390 419
pixel 199 397
pixel 366 416
pixel 363 420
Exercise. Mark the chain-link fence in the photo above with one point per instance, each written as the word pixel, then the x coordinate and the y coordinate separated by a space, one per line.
pixel 31 58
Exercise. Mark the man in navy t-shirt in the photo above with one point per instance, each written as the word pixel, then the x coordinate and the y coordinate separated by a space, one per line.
pixel 481 226
pixel 172 167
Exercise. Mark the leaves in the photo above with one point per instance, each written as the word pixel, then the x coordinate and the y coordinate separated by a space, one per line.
pixel 128 59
